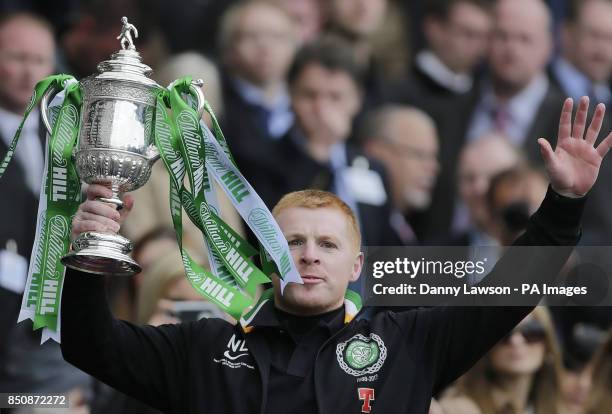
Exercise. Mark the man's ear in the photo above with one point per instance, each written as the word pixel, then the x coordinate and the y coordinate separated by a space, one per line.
pixel 369 146
pixel 357 103
pixel 375 148
pixel 357 266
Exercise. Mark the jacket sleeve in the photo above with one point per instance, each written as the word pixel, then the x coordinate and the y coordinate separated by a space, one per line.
pixel 148 363
pixel 455 338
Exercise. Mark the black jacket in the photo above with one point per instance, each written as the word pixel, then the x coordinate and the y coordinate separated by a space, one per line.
pixel 18 209
pixel 242 122
pixel 215 367
pixel 453 120
pixel 451 113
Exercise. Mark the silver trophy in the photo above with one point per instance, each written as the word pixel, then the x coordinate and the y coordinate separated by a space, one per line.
pixel 115 147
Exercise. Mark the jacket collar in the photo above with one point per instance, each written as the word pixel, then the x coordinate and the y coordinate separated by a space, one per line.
pixel 262 314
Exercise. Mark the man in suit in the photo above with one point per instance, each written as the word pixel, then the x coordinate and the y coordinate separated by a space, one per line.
pixel 257 44
pixel 405 140
pixel 357 23
pixel 325 85
pixel 443 84
pixel 480 161
pixel 584 68
pixel 517 99
pixel 585 64
pixel 443 76
pixel 27 51
pixel 457 33
pixel 26 55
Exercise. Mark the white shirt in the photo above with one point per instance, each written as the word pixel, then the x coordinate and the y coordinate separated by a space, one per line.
pixel 576 84
pixel 429 63
pixel 29 151
pixel 280 115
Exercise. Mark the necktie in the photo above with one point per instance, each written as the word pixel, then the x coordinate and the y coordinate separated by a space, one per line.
pixel 501 119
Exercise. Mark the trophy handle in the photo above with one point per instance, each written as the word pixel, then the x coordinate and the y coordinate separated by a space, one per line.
pixel 44 107
pixel 196 89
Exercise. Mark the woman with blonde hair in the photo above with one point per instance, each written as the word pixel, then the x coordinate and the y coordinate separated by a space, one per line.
pixel 519 375
pixel 600 398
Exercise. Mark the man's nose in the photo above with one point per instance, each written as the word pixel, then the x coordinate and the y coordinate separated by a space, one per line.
pixel 309 254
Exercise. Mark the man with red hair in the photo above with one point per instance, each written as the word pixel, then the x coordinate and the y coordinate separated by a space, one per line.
pixel 309 349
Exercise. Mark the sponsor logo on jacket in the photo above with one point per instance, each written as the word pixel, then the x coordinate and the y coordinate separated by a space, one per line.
pixel 236 354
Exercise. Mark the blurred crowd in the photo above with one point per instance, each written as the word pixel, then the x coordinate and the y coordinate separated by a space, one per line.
pixel 422 115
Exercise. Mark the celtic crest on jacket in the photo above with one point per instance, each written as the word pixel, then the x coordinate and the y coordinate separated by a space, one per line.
pixel 361 355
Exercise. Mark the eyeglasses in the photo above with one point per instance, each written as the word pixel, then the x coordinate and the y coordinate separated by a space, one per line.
pixel 532 332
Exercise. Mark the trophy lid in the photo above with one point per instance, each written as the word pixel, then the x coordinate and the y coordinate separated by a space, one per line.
pixel 126 64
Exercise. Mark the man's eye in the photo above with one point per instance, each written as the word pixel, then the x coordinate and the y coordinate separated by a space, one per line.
pixel 295 242
pixel 328 245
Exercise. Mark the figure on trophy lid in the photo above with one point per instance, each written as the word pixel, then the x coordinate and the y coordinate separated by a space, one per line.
pixel 126 34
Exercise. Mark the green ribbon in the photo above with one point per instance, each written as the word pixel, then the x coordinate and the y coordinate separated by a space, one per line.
pixel 187 147
pixel 63 191
pixel 57 82
pixel 220 164
pixel 179 139
pixel 60 197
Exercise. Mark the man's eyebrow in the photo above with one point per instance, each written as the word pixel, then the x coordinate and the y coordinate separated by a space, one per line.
pixel 330 237
pixel 294 234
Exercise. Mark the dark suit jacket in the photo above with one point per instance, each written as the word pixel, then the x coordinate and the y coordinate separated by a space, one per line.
pixel 597 218
pixel 450 113
pixel 597 221
pixel 545 124
pixel 282 166
pixel 243 123
pixel 453 119
pixel 18 208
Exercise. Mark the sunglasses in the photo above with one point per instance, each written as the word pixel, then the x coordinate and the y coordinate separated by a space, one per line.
pixel 532 332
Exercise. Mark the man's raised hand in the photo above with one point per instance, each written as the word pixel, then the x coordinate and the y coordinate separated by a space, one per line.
pixel 574 164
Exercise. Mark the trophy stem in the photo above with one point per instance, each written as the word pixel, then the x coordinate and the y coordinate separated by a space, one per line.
pixel 115 198
pixel 102 254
